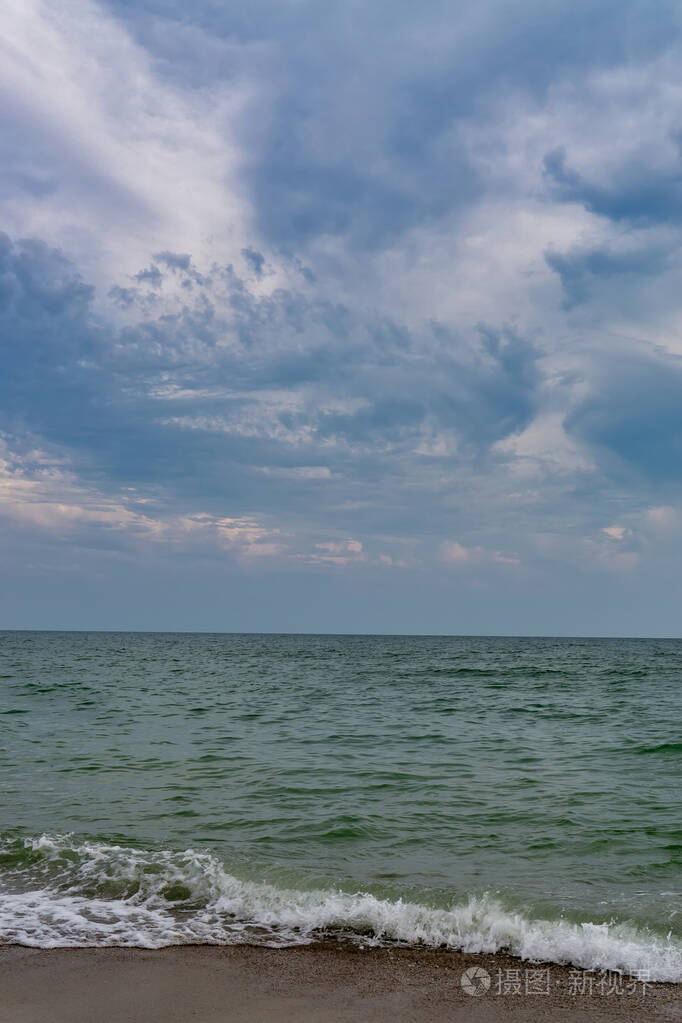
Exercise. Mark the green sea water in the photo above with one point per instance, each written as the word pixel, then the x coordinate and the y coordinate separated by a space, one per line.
pixel 476 793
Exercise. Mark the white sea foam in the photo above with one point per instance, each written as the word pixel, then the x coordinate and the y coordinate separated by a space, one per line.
pixel 214 907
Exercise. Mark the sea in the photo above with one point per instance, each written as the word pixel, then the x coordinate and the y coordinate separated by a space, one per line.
pixel 467 793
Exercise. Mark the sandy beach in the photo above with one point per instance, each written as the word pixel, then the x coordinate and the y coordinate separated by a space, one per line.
pixel 325 982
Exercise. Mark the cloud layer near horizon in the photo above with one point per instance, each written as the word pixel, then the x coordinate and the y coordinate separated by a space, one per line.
pixel 325 300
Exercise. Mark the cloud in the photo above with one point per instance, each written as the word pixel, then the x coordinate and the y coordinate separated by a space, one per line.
pixel 284 380
pixel 308 287
pixel 300 472
pixel 196 379
pixel 455 554
pixel 375 146
pixel 663 516
pixel 586 272
pixel 634 194
pixel 37 492
pixel 102 152
pixel 335 552
pixel 255 261
pixel 633 413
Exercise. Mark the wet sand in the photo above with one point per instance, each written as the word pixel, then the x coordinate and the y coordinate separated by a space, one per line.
pixel 322 983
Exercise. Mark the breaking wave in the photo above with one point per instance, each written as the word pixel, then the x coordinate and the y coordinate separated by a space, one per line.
pixel 58 892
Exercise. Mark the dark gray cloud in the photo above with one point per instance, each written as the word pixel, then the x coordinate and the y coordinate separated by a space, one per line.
pixel 586 271
pixel 201 392
pixel 634 414
pixel 357 131
pixel 637 193
pixel 255 261
pixel 49 340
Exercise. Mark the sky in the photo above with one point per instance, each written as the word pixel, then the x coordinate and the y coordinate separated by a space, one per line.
pixel 329 316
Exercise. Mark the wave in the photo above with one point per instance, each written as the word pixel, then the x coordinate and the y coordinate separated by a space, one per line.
pixel 96 894
pixel 661 748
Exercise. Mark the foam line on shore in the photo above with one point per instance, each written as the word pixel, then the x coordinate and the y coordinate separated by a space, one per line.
pixel 59 892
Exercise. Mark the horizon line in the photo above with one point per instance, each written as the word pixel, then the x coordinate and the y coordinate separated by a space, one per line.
pixel 115 630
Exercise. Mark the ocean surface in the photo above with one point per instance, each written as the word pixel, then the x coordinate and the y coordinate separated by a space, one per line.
pixel 473 793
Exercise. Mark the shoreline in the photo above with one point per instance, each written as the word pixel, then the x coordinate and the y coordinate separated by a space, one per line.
pixel 326 981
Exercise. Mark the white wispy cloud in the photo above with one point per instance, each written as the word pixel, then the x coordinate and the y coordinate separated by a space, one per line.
pixel 105 157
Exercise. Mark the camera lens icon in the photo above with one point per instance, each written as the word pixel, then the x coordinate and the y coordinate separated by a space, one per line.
pixel 475 981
